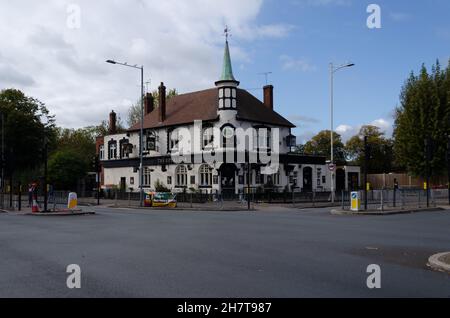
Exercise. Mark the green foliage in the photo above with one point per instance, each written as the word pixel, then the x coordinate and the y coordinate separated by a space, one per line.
pixel 319 145
pixel 299 149
pixel 424 113
pixel 103 128
pixel 28 125
pixel 65 168
pixel 74 153
pixel 381 150
pixel 161 187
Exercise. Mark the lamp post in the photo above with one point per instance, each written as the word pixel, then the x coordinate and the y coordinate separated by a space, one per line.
pixel 141 135
pixel 334 69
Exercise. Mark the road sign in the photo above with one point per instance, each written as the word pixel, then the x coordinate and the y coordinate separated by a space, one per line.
pixel 356 201
pixel 331 167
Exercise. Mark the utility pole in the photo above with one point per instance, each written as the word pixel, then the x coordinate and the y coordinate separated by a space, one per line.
pixel 366 165
pixel 248 179
pixel 45 173
pixel 333 69
pixel 98 170
pixel 2 182
pixel 141 134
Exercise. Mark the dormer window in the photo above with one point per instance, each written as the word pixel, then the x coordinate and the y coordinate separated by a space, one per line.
pixel 151 141
pixel 262 138
pixel 228 137
pixel 208 137
pixel 227 98
pixel 112 150
pixel 174 140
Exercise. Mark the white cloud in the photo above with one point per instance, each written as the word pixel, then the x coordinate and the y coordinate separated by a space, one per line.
pixel 289 63
pixel 178 42
pixel 347 131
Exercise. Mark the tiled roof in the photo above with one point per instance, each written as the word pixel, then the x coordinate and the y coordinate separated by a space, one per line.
pixel 202 105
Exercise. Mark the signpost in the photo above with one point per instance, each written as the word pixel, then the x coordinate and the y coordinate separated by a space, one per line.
pixel 356 201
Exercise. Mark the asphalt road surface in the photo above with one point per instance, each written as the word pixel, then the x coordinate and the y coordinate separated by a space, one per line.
pixel 277 252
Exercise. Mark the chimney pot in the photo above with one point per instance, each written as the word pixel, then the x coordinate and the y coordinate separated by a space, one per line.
pixel 162 102
pixel 112 123
pixel 149 103
pixel 268 96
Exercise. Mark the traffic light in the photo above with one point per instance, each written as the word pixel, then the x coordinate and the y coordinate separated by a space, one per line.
pixel 96 164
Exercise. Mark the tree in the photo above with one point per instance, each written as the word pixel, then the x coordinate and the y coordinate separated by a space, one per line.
pixel 424 113
pixel 103 128
pixel 320 145
pixel 134 112
pixel 65 168
pixel 28 125
pixel 380 150
pixel 299 149
pixel 81 141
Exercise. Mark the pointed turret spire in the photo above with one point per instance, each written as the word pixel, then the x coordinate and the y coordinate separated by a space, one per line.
pixel 227 70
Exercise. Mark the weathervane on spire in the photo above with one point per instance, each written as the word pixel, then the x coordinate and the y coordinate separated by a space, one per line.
pixel 227 32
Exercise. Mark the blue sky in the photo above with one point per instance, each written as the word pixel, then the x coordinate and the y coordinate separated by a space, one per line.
pixel 412 33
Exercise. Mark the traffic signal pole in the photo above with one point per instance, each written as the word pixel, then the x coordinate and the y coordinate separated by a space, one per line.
pixel 366 161
pixel 448 167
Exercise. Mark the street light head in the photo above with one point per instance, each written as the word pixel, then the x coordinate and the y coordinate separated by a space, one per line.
pixel 350 65
pixel 111 62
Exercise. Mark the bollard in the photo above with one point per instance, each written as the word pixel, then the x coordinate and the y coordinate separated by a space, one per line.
pixel 419 197
pixel 20 197
pixel 342 199
pixel 382 203
pixel 394 197
pixel 402 192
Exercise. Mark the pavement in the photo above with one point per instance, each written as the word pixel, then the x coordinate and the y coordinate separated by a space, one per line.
pixel 273 252
pixel 387 211
pixel 440 262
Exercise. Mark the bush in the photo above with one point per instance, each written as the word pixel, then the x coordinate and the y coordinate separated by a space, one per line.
pixel 161 187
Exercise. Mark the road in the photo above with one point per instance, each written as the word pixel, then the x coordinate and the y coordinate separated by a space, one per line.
pixel 277 252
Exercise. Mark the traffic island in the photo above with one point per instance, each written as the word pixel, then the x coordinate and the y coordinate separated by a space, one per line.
pixel 440 262
pixel 386 211
pixel 62 213
pixel 181 208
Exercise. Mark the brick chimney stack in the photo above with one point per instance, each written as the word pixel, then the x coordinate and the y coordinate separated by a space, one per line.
pixel 162 102
pixel 112 123
pixel 268 96
pixel 148 103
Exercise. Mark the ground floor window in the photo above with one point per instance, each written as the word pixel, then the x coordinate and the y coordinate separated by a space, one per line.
pixel 205 176
pixel 147 180
pixel 102 152
pixel 276 178
pixel 181 176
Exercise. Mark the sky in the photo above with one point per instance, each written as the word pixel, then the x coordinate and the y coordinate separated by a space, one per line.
pixel 55 50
